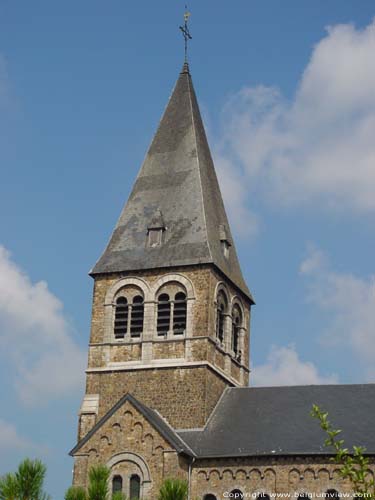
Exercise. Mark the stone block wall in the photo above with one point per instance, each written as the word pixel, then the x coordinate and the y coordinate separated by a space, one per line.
pixel 287 476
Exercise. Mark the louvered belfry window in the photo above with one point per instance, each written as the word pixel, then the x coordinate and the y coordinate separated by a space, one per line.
pixel 179 313
pixel 172 310
pixel 121 317
pixel 164 314
pixel 129 314
pixel 137 316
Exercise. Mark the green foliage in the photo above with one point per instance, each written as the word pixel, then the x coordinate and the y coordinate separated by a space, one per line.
pixel 75 493
pixel 30 480
pixel 98 483
pixel 8 487
pixel 354 464
pixel 26 483
pixel 173 489
pixel 119 496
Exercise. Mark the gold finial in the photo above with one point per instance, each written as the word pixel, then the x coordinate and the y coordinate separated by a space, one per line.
pixel 185 31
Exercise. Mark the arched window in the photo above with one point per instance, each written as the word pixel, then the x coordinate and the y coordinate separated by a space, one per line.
pixel 172 310
pixel 116 484
pixel 220 315
pixel 129 313
pixel 135 487
pixel 137 314
pixel 236 494
pixel 209 496
pixel 332 494
pixel 236 328
pixel 121 317
pixel 164 314
pixel 179 313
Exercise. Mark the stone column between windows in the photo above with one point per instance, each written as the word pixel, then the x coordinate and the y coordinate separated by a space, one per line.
pixel 149 330
pixel 189 331
pixel 109 313
pixel 241 347
pixel 241 342
pixel 227 332
pixel 227 341
pixel 170 331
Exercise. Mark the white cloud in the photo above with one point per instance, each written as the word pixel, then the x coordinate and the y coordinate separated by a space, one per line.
pixel 350 302
pixel 284 367
pixel 36 337
pixel 10 439
pixel 235 193
pixel 318 149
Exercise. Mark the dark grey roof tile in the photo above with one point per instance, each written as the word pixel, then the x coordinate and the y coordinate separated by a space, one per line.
pixel 178 179
pixel 276 421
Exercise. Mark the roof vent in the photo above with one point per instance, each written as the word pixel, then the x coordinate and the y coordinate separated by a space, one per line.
pixel 225 241
pixel 155 230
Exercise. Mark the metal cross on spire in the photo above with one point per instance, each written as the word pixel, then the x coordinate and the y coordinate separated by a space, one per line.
pixel 185 31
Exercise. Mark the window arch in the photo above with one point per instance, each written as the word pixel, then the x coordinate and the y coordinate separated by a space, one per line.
pixel 221 309
pixel 171 310
pixel 129 313
pixel 116 484
pixel 209 496
pixel 135 487
pixel 236 329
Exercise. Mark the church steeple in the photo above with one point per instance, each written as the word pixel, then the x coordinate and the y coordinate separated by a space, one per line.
pixel 178 181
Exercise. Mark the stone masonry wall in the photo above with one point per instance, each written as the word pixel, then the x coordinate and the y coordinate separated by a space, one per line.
pixel 289 477
pixel 128 444
pixel 184 396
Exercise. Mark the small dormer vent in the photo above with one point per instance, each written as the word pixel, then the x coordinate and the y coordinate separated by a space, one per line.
pixel 155 230
pixel 224 240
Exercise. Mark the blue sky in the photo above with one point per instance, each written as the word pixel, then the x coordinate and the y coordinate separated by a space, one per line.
pixel 287 94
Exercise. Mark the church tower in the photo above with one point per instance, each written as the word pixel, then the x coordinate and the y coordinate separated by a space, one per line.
pixel 171 310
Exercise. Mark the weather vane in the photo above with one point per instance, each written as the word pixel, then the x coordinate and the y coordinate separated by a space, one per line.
pixel 185 31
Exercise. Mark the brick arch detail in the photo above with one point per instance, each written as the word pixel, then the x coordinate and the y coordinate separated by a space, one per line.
pixel 123 282
pixel 179 278
pixel 131 457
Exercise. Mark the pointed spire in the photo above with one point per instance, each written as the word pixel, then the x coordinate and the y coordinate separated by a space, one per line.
pixel 178 188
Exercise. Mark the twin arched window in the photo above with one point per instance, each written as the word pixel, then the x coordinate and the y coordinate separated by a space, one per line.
pixel 134 486
pixel 129 316
pixel 237 323
pixel 172 312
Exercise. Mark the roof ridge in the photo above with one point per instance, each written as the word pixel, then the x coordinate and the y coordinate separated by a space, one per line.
pixel 191 89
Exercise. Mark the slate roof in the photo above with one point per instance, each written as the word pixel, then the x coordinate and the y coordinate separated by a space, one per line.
pixel 178 182
pixel 156 420
pixel 277 421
